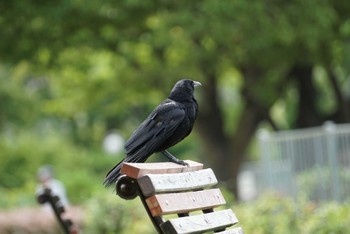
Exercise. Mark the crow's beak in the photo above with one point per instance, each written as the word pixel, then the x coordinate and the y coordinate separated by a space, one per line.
pixel 196 83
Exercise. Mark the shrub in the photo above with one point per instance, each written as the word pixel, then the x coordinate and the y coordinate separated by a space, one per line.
pixel 108 213
pixel 81 170
pixel 276 214
pixel 318 183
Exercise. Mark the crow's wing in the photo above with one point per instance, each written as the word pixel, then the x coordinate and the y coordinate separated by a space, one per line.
pixel 157 128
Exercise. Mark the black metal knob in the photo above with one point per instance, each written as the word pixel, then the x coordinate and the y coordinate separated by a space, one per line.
pixel 126 188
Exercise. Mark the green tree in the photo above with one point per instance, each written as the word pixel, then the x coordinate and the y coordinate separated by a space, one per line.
pixel 101 59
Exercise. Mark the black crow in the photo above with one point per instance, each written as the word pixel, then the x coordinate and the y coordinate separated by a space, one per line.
pixel 169 123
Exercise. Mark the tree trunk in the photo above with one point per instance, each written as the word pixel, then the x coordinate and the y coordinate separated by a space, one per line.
pixel 239 142
pixel 211 129
pixel 225 152
pixel 342 114
pixel 307 111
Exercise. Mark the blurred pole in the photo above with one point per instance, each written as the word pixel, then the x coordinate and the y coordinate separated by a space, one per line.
pixel 331 141
pixel 266 167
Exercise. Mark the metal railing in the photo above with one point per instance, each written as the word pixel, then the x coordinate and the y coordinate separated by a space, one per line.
pixel 314 162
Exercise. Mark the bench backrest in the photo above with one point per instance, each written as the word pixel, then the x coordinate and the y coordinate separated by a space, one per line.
pixel 178 199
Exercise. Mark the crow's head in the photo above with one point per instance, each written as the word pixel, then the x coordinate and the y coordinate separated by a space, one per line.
pixel 186 84
pixel 183 89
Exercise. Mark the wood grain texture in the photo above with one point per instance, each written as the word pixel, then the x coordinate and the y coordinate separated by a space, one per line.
pixel 173 203
pixel 137 170
pixel 200 223
pixel 168 188
pixel 159 183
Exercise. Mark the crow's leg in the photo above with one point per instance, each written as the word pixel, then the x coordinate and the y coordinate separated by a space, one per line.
pixel 173 159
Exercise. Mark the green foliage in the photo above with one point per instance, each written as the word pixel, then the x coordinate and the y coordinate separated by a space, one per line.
pixel 270 214
pixel 24 152
pixel 80 169
pixel 330 218
pixel 107 213
pixel 319 181
pixel 92 66
pixel 19 96
pixel 275 214
pixel 99 60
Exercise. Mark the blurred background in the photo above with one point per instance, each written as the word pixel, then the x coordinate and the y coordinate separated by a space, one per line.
pixel 77 77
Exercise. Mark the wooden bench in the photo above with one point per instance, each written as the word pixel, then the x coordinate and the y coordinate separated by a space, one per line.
pixel 178 199
pixel 46 196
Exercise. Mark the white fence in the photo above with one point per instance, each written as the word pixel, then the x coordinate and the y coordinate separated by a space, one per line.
pixel 314 162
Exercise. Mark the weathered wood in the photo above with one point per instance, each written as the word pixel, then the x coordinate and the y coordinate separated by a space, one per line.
pixel 200 223
pixel 168 188
pixel 159 183
pixel 238 230
pixel 137 170
pixel 173 203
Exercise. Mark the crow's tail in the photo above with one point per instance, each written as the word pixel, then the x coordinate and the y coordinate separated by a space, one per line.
pixel 113 175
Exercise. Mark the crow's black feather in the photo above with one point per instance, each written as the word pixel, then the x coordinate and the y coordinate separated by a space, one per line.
pixel 169 123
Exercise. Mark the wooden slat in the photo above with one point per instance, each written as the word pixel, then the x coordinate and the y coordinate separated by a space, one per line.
pixel 238 230
pixel 200 223
pixel 174 203
pixel 159 183
pixel 136 170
